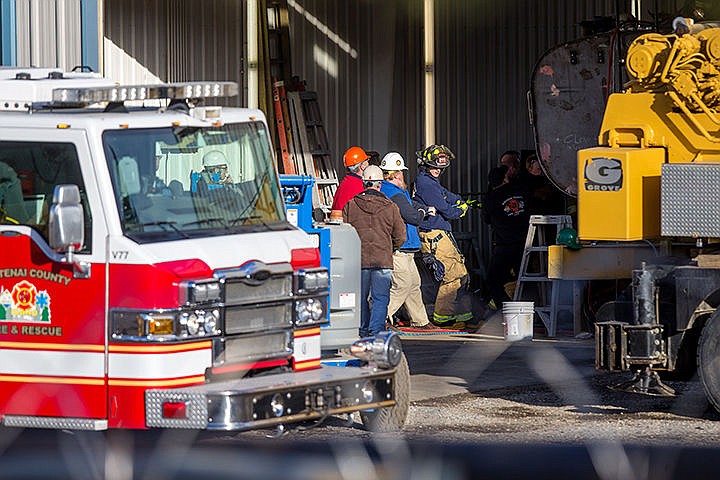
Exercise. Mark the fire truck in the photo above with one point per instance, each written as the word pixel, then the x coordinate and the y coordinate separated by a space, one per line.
pixel 149 277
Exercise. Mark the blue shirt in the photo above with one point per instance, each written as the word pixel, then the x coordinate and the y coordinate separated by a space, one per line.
pixel 428 191
pixel 410 215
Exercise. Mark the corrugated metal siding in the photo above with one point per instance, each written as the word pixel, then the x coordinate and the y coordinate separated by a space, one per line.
pixel 175 41
pixel 485 52
pixel 48 33
pixel 135 46
pixel 371 93
pixel 69 33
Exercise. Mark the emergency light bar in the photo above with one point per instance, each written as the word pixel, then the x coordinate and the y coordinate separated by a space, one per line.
pixel 170 91
pixel 40 88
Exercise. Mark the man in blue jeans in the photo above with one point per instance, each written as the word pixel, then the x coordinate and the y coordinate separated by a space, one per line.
pixel 381 230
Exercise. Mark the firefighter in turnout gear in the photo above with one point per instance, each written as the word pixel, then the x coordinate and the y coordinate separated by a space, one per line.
pixel 453 306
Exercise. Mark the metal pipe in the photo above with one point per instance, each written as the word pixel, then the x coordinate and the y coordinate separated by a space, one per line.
pixel 252 54
pixel 691 118
pixel 644 296
pixel 429 58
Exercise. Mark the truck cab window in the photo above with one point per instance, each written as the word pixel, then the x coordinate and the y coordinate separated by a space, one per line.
pixel 29 172
pixel 182 182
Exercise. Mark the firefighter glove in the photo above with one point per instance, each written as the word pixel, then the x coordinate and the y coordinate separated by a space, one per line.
pixel 464 207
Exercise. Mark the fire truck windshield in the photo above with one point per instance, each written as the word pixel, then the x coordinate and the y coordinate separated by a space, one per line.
pixel 184 182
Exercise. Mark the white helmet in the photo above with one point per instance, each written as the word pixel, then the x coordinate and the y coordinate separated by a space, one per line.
pixel 214 158
pixel 393 161
pixel 372 174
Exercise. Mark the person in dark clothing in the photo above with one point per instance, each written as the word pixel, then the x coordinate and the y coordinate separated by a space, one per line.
pixel 506 210
pixel 546 199
pixel 511 160
pixel 382 231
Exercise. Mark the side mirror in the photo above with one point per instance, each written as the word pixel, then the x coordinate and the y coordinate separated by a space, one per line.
pixel 66 220
pixel 66 226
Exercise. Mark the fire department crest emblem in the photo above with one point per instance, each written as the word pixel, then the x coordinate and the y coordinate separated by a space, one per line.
pixel 24 303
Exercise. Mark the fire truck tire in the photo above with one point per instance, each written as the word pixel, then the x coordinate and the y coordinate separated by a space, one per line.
pixel 392 418
pixel 708 359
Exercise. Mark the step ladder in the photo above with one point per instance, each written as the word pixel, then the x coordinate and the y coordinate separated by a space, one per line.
pixel 299 133
pixel 311 146
pixel 541 230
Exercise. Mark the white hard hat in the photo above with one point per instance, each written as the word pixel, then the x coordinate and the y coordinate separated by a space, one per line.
pixel 393 161
pixel 372 173
pixel 214 158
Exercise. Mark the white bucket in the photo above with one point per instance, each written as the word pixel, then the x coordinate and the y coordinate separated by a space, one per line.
pixel 518 320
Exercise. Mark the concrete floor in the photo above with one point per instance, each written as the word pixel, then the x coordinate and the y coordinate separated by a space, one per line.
pixel 484 360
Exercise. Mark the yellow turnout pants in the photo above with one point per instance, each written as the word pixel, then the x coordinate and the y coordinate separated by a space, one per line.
pixel 451 304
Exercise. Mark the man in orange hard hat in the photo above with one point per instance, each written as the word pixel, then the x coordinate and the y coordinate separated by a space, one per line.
pixel 356 161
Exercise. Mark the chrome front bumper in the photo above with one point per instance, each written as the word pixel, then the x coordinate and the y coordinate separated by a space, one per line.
pixel 265 401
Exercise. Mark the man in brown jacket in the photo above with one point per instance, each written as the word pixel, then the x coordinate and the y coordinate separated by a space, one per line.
pixel 381 230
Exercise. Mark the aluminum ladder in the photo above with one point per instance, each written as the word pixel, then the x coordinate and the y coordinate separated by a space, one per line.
pixel 535 255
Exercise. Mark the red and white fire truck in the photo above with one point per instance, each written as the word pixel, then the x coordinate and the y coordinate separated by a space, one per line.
pixel 148 275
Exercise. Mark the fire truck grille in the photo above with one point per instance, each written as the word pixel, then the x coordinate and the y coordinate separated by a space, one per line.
pixel 255 318
pixel 277 287
pixel 249 348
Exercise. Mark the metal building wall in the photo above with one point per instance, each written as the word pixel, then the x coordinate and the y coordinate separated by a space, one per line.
pixel 485 53
pixel 484 50
pixel 364 58
pixel 175 41
pixel 48 33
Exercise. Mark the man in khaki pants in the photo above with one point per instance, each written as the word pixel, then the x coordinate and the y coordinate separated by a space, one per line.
pixel 405 287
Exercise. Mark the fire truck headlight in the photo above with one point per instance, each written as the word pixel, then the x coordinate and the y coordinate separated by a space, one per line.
pixel 203 292
pixel 200 322
pixel 310 310
pixel 210 324
pixel 310 281
pixel 192 323
pixel 164 326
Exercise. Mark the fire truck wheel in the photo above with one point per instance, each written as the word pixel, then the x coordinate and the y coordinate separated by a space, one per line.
pixel 392 418
pixel 708 359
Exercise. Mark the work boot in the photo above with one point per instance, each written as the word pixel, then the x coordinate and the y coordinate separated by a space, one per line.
pixel 474 326
pixel 427 326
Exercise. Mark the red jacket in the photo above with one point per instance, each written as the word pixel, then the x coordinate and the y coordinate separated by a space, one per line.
pixel 350 186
